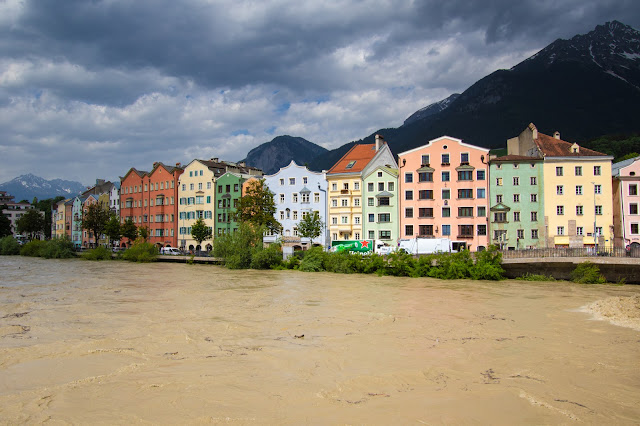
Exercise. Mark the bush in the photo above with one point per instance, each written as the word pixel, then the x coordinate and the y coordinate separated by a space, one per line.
pixel 140 251
pixel 488 265
pixel 343 262
pixel 313 260
pixel 9 246
pixel 32 248
pixel 58 248
pixel 293 262
pixel 535 277
pixel 236 248
pixel 399 264
pixel 266 258
pixel 587 273
pixel 98 253
pixel 452 266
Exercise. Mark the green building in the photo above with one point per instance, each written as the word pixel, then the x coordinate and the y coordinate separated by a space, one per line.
pixel 380 210
pixel 516 202
pixel 227 194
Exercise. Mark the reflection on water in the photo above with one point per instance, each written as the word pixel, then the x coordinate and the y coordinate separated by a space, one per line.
pixel 93 342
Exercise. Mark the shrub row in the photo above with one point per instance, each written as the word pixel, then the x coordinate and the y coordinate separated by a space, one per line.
pixel 57 248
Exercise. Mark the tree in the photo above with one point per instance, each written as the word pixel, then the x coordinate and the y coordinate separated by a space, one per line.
pixel 129 230
pixel 143 231
pixel 31 223
pixel 256 207
pixel 200 231
pixel 112 228
pixel 311 226
pixel 5 226
pixel 95 219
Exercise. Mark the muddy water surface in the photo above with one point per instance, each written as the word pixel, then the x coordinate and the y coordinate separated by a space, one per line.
pixel 119 343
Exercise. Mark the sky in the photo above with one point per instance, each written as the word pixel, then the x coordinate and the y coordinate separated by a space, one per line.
pixel 89 89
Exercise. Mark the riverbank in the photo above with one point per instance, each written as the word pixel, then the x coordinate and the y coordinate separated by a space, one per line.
pixel 614 269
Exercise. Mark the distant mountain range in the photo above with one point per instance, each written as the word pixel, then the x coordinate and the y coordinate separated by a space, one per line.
pixel 271 156
pixel 584 87
pixel 28 186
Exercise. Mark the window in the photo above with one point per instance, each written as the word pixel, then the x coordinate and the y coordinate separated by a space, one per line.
pixel 351 164
pixel 465 211
pixel 633 189
pixel 498 181
pixel 446 229
pixel 498 198
pixel 384 201
pixel 533 180
pixel 425 160
pixel 446 176
pixel 578 189
pixel 482 229
pixel 384 217
pixel 446 212
pixel 534 234
pixel 408 230
pixel 200 186
pixel 408 177
pixel 316 197
pixel 520 234
pixel 425 230
pixel 597 170
pixel 390 186
pixel 334 203
pixel 464 157
pixel 559 171
pixel 356 186
pixel 356 220
pixel 408 195
pixel 597 189
pixel 465 193
pixel 446 194
pixel 370 187
pixel 516 216
pixel 579 210
pixel 599 230
pixel 559 189
pixel 425 212
pixel 344 219
pixel 305 180
pixel 356 202
pixel 334 220
pixel 482 211
pixel 281 198
pixel 208 185
pixel 385 235
pixel 345 186
pixel 465 175
pixel 191 186
pixel 344 202
pixel 560 230
pixel 534 198
pixel 499 217
pixel 634 228
pixel 516 181
pixel 372 217
pixel 425 177
pixel 281 181
pixel 480 175
pixel 599 210
pixel 370 201
pixel 516 198
pixel 445 159
pixel 425 194
pixel 534 216
pixel 334 186
pixel 294 197
pixel 465 230
pixel 633 208
pixel 559 210
pixel 481 192
pixel 579 230
pixel 578 170
pixel 227 188
pixel 408 212
pixel 184 187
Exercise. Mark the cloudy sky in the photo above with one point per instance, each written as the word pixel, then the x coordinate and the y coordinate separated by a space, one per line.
pixel 91 88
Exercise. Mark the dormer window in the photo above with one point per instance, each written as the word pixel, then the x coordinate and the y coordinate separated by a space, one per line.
pixel 575 148
pixel 351 164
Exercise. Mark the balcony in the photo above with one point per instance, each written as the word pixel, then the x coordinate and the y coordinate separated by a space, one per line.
pixel 468 236
pixel 344 192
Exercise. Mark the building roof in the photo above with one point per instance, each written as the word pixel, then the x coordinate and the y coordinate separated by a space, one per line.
pixel 616 167
pixel 516 158
pixel 355 160
pixel 555 147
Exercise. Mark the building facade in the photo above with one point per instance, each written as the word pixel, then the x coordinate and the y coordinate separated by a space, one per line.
pixel 443 193
pixel 14 210
pixel 196 195
pixel 626 199
pixel 380 209
pixel 228 193
pixel 516 200
pixel 297 191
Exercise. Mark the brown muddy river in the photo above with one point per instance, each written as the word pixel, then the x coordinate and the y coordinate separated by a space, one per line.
pixel 120 343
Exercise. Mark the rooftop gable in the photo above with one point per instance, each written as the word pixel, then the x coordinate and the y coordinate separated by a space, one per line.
pixel 555 147
pixel 355 160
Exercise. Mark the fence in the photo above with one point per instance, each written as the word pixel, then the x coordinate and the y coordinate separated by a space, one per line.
pixel 570 252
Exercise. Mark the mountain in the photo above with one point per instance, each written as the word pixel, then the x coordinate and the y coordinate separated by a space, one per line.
pixel 27 186
pixel 584 87
pixel 271 156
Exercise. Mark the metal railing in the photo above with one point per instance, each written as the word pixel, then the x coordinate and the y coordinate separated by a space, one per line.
pixel 570 252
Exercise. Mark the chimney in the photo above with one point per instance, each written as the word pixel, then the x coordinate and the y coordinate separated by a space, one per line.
pixel 215 159
pixel 556 135
pixel 178 165
pixel 242 164
pixel 379 141
pixel 99 182
pixel 155 164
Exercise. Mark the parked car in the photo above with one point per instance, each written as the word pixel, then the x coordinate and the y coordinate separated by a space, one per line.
pixel 170 251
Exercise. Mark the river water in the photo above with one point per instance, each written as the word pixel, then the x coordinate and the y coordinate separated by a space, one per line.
pixel 121 343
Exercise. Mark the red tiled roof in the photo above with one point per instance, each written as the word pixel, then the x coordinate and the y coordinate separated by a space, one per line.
pixel 360 153
pixel 552 147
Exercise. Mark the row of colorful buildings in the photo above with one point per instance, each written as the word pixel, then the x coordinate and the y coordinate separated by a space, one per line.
pixel 545 192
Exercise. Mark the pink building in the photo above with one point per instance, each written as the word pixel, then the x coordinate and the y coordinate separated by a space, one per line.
pixel 444 192
pixel 626 199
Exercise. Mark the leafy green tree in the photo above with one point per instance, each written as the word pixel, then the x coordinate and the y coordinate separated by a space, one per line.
pixel 311 226
pixel 31 223
pixel 129 230
pixel 257 208
pixel 95 219
pixel 200 231
pixel 112 228
pixel 143 231
pixel 5 226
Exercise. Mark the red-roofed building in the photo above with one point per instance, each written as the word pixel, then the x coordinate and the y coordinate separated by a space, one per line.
pixel 345 187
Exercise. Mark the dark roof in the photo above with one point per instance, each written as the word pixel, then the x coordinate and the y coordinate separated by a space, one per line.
pixel 552 147
pixel 516 158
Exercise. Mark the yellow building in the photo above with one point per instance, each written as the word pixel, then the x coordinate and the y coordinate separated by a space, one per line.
pixel 578 209
pixel 59 220
pixel 345 220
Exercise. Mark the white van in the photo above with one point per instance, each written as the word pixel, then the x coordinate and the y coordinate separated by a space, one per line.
pixel 171 251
